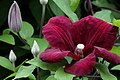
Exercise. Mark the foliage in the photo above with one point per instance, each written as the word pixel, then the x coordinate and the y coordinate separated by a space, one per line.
pixel 28 66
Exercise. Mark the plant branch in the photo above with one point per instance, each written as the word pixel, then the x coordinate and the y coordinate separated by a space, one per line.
pixel 114 10
pixel 42 19
pixel 23 40
pixel 38 73
pixel 90 7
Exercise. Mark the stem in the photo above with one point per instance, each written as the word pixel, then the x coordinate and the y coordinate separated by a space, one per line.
pixel 42 19
pixel 95 74
pixel 13 63
pixel 23 40
pixel 117 11
pixel 90 7
pixel 82 78
pixel 38 73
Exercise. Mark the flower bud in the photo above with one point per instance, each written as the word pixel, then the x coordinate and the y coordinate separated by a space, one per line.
pixel 12 56
pixel 35 48
pixel 43 2
pixel 14 17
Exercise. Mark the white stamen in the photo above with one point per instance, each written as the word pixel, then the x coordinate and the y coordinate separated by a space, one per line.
pixel 80 46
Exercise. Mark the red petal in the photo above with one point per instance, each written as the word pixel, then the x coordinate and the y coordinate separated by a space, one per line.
pixel 57 33
pixel 53 55
pixel 93 31
pixel 74 56
pixel 108 56
pixel 83 66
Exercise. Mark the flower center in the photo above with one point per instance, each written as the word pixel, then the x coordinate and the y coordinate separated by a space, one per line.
pixel 79 50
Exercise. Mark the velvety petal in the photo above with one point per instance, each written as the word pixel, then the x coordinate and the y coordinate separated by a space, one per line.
pixel 83 66
pixel 74 56
pixel 108 56
pixel 93 31
pixel 53 55
pixel 57 33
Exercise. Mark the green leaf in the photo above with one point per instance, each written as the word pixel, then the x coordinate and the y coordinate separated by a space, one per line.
pixel 74 4
pixel 27 30
pixel 116 50
pixel 51 78
pixel 85 78
pixel 61 75
pixel 55 9
pixel 11 75
pixel 31 77
pixel 8 39
pixel 44 74
pixel 4 62
pixel 104 72
pixel 116 67
pixel 103 3
pixel 6 31
pixel 25 71
pixel 104 15
pixel 69 59
pixel 116 22
pixel 16 69
pixel 64 5
pixel 43 44
pixel 46 66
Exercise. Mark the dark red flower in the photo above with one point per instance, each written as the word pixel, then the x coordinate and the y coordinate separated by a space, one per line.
pixel 82 40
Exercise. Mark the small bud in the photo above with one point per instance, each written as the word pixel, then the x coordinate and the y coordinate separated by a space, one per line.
pixel 35 48
pixel 12 56
pixel 14 17
pixel 43 2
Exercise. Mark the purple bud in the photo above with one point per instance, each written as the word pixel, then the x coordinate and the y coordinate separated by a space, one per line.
pixel 14 17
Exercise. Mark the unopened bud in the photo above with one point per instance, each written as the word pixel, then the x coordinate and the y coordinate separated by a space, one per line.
pixel 43 2
pixel 35 48
pixel 14 17
pixel 12 56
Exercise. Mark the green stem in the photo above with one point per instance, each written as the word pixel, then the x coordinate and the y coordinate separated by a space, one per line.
pixel 95 74
pixel 23 40
pixel 38 73
pixel 82 78
pixel 42 19
pixel 13 63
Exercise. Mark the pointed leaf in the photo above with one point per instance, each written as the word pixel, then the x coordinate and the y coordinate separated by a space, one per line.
pixel 51 78
pixel 74 4
pixel 31 77
pixel 104 72
pixel 4 62
pixel 64 5
pixel 47 66
pixel 116 67
pixel 11 75
pixel 24 71
pixel 116 50
pixel 27 30
pixel 55 9
pixel 116 22
pixel 103 3
pixel 6 31
pixel 7 38
pixel 61 75
pixel 104 15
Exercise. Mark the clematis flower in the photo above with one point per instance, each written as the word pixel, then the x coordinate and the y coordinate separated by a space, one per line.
pixel 83 40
